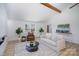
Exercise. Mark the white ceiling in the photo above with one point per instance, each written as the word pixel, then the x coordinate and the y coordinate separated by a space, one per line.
pixel 32 11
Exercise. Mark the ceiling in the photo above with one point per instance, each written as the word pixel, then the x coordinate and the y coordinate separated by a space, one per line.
pixel 32 11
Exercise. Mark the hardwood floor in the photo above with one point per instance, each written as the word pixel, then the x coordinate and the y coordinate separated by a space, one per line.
pixel 9 51
pixel 74 47
pixel 71 49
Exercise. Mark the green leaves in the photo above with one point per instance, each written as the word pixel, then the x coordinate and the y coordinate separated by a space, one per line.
pixel 19 31
pixel 41 30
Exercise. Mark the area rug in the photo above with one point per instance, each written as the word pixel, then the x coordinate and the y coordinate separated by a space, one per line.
pixel 43 50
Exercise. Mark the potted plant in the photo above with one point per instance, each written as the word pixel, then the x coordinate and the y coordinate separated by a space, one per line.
pixel 41 30
pixel 19 31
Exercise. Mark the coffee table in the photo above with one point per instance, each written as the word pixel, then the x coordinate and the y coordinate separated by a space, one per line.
pixel 33 47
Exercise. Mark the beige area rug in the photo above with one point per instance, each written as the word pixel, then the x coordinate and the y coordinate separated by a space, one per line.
pixel 20 50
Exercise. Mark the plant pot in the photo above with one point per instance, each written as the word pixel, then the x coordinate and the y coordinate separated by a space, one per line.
pixel 23 38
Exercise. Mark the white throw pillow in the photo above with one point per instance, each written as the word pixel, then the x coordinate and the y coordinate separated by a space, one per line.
pixel 48 35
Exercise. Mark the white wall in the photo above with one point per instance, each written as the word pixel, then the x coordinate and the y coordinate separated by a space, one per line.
pixel 3 20
pixel 3 27
pixel 14 24
pixel 68 16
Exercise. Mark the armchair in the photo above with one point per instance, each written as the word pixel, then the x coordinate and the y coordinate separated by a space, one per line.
pixel 30 36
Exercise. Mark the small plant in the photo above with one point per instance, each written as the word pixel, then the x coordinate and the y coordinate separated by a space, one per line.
pixel 41 30
pixel 19 31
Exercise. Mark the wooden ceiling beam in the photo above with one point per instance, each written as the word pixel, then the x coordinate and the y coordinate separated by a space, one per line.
pixel 51 7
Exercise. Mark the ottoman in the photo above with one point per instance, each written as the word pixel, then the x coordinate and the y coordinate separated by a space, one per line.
pixel 32 47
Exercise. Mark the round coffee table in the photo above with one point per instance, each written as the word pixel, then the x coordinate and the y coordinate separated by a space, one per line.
pixel 32 47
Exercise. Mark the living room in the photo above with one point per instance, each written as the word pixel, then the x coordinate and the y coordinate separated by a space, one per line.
pixel 45 23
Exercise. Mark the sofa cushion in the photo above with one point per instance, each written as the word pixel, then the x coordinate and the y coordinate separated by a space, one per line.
pixel 49 41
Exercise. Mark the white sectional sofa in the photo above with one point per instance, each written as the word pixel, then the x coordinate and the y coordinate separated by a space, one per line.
pixel 56 44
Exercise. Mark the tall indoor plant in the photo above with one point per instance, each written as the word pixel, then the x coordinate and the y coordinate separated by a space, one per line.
pixel 19 31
